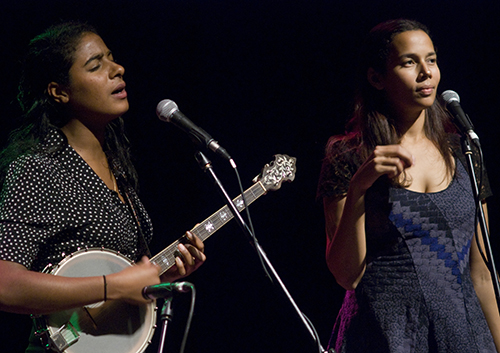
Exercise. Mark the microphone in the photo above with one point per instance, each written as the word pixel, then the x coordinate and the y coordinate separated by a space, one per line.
pixel 462 121
pixel 168 111
pixel 164 290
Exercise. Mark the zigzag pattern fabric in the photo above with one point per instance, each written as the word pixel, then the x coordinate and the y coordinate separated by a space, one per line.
pixel 416 294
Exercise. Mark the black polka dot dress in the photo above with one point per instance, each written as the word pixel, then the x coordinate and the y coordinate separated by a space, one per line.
pixel 53 204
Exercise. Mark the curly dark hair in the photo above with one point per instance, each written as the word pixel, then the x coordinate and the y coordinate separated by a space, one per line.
pixel 49 58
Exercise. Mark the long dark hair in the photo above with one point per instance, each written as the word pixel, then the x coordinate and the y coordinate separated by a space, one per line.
pixel 370 124
pixel 49 58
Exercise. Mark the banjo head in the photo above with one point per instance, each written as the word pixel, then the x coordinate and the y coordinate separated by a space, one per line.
pixel 105 327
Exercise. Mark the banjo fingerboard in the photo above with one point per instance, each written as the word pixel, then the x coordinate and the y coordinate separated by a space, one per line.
pixel 166 258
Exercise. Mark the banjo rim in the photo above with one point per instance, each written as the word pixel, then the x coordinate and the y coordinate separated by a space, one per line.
pixel 150 309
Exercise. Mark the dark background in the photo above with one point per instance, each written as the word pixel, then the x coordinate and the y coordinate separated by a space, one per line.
pixel 263 77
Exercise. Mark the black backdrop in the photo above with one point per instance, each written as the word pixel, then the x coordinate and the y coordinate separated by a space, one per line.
pixel 263 77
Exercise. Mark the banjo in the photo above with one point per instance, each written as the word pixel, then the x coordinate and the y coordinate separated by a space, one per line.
pixel 116 326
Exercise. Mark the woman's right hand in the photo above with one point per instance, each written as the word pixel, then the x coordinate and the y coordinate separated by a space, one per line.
pixel 390 160
pixel 128 284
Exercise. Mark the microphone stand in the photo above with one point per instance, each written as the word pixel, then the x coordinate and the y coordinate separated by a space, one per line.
pixel 205 165
pixel 166 317
pixel 466 147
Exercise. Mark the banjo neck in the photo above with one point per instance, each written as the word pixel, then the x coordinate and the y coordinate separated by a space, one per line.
pixel 166 258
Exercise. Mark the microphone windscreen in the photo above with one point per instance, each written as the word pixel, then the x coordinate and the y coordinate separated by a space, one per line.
pixel 450 96
pixel 165 109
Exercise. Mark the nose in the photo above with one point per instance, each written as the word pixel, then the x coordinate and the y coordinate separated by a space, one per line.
pixel 116 70
pixel 425 71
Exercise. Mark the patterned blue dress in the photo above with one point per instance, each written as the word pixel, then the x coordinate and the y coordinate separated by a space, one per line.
pixel 416 294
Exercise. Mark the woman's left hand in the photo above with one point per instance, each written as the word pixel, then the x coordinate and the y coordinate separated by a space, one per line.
pixel 191 258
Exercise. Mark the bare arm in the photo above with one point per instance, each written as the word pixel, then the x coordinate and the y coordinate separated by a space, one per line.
pixel 346 242
pixel 483 284
pixel 345 217
pixel 28 292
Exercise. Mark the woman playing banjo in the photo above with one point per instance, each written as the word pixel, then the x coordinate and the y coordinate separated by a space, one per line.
pixel 69 184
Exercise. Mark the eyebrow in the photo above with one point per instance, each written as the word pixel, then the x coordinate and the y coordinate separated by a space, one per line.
pixel 97 57
pixel 408 55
